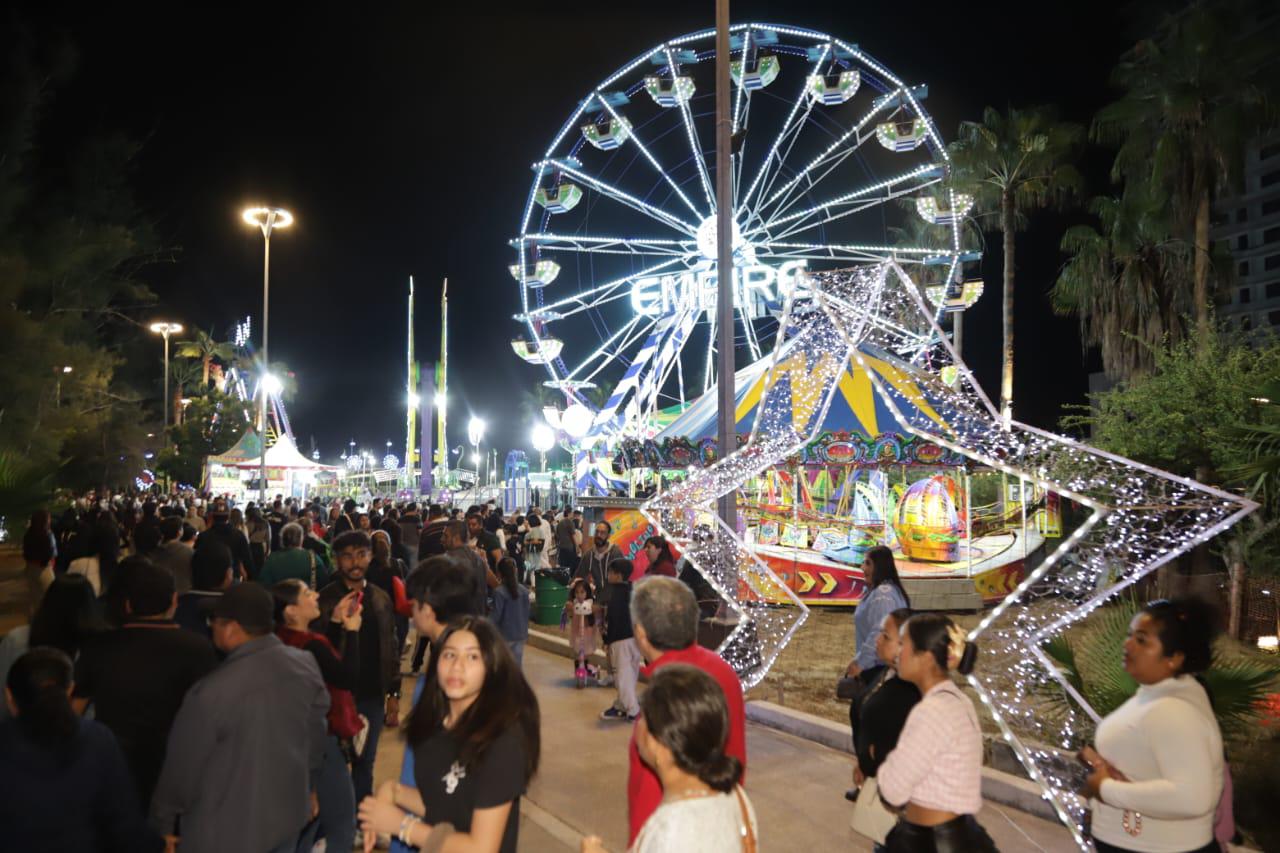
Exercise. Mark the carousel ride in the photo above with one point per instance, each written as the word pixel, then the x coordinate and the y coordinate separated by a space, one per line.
pixel 835 164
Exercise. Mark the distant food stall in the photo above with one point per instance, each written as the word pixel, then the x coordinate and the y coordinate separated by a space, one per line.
pixel 236 472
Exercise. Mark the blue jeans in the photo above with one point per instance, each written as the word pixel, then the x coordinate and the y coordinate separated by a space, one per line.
pixel 406 768
pixel 517 650
pixel 337 798
pixel 375 709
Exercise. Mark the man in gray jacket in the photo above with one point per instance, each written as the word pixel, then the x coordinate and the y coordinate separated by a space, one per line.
pixel 246 747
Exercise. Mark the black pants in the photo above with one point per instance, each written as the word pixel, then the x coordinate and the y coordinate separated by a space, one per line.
pixel 1104 847
pixel 961 835
pixel 419 653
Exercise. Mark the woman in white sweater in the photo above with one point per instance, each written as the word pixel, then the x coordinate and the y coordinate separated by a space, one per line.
pixel 1157 767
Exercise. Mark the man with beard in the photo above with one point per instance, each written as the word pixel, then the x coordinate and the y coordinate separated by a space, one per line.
pixel 378 694
pixel 595 560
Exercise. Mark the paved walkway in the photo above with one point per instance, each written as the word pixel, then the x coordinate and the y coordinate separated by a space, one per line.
pixel 796 786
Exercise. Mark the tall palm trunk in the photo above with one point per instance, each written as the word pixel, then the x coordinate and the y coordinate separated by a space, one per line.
pixel 1201 269
pixel 1006 375
pixel 204 365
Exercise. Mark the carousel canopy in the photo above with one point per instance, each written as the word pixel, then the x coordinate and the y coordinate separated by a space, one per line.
pixel 247 449
pixel 857 408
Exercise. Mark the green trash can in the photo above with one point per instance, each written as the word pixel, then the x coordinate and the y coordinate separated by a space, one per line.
pixel 551 597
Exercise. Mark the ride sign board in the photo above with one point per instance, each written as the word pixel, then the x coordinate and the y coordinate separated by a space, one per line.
pixel 757 289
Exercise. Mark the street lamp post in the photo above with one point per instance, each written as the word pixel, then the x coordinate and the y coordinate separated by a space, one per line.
pixel 165 330
pixel 475 432
pixel 268 219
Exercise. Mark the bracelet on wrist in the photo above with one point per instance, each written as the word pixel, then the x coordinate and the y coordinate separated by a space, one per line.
pixel 406 828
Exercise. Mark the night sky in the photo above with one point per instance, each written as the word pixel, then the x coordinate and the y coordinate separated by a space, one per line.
pixel 400 135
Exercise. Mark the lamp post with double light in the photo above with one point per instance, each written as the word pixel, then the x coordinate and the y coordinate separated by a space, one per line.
pixel 475 433
pixel 267 219
pixel 165 330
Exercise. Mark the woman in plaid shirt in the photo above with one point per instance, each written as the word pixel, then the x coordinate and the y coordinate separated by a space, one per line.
pixel 934 774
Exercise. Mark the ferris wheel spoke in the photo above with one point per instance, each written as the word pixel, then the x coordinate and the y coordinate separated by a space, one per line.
pixel 749 332
pixel 583 299
pixel 837 151
pixel 611 245
pixel 865 253
pixel 653 161
pixel 786 126
pixel 624 198
pixel 781 159
pixel 707 372
pixel 830 216
pixel 694 145
pixel 637 333
pixel 603 351
pixel 921 176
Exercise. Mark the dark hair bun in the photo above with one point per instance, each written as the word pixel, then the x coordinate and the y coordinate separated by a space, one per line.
pixel 721 772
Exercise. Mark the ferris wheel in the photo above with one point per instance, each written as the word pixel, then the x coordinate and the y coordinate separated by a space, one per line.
pixel 615 258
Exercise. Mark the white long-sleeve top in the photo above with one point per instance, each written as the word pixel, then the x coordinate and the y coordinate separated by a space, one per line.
pixel 1166 741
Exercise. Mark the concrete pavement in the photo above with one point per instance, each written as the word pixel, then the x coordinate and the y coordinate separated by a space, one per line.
pixel 795 785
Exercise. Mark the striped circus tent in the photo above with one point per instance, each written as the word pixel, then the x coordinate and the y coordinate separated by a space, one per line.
pixel 858 407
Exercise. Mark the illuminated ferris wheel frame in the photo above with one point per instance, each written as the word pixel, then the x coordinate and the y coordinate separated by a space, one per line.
pixel 782 208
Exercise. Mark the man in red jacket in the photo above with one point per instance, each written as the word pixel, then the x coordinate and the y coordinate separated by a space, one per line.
pixel 664 617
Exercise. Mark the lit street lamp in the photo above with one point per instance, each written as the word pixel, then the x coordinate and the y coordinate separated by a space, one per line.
pixel 64 370
pixel 475 432
pixel 543 440
pixel 268 219
pixel 164 330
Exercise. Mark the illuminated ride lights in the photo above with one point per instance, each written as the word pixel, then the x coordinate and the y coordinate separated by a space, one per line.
pixel 620 214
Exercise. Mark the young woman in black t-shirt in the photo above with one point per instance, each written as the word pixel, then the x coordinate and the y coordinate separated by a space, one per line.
pixel 475 740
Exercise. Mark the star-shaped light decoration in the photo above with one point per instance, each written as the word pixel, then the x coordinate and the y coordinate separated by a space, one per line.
pixel 788 417
pixel 1140 517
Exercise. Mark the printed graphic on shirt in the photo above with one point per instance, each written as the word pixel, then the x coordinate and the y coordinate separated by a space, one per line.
pixel 455 775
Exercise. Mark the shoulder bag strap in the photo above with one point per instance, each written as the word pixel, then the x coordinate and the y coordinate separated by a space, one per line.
pixel 312 555
pixel 748 834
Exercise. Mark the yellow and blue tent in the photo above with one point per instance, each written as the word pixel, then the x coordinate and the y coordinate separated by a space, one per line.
pixel 858 406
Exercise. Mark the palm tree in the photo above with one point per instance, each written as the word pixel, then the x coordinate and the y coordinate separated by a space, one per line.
pixel 183 372
pixel 1128 281
pixel 1088 658
pixel 1191 101
pixel 206 348
pixel 1012 164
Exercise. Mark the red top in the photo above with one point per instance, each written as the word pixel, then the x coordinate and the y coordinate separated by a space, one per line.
pixel 663 566
pixel 644 791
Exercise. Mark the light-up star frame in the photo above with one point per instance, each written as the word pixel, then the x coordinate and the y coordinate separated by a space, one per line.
pixel 1140 517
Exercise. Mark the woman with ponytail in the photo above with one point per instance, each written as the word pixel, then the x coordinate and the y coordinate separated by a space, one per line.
pixel 681 734
pixel 64 784
pixel 1156 775
pixel 934 774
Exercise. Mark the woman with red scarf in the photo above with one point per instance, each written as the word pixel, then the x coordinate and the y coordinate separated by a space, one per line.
pixel 338 655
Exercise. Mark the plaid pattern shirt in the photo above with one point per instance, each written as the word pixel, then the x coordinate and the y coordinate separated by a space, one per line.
pixel 938 760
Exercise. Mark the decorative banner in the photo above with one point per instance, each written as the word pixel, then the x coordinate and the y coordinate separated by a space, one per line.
pixel 1141 517
pixel 829 448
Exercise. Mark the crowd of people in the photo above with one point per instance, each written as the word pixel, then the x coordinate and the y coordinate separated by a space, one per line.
pixel 196 677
